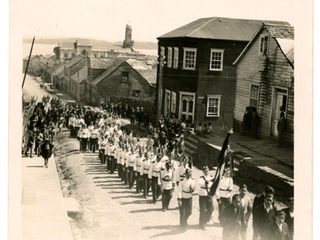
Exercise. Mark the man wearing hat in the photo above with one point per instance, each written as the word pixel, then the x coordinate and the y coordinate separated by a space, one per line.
pixel 145 166
pixel 167 184
pixel 205 199
pixel 137 170
pixel 154 173
pixel 186 188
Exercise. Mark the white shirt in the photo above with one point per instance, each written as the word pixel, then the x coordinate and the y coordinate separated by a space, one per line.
pixel 186 188
pixel 202 185
pixel 167 178
pixel 145 166
pixel 225 187
pixel 154 170
pixel 137 164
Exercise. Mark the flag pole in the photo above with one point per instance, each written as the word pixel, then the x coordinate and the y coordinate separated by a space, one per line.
pixel 26 70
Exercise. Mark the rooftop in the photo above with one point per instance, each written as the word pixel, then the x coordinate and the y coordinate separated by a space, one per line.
pixel 220 28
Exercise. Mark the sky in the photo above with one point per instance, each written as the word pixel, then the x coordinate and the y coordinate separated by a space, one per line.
pixel 106 19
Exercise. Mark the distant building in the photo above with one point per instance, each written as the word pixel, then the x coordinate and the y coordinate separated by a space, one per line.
pixel 128 42
pixel 125 78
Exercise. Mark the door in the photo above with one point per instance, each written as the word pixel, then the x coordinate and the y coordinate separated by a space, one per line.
pixel 280 99
pixel 187 106
pixel 167 100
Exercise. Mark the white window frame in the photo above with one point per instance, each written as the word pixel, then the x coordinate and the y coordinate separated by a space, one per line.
pixel 263 45
pixel 215 50
pixel 175 57
pixel 173 102
pixel 219 102
pixel 250 92
pixel 185 50
pixel 169 61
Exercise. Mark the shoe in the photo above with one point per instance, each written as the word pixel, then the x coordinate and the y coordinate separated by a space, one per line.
pixel 163 209
pixel 203 228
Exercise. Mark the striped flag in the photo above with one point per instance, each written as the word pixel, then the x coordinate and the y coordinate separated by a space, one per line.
pixel 223 161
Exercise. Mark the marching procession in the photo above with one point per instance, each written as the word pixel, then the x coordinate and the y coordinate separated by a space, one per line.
pixel 156 166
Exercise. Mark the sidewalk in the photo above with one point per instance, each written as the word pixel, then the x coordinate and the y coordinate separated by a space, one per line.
pixel 44 214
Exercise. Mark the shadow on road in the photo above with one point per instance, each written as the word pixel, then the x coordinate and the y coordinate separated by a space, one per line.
pixel 36 166
pixel 129 196
pixel 144 210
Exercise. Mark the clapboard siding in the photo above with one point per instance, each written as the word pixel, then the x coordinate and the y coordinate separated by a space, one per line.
pixel 269 72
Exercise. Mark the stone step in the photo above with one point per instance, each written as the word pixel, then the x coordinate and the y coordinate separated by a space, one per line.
pixel 191 145
pixel 194 139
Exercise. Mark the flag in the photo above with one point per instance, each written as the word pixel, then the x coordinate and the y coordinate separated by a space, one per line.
pixel 223 160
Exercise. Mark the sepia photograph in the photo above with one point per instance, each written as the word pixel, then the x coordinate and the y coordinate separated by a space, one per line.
pixel 160 120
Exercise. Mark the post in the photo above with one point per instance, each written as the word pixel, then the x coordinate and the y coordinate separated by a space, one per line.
pixel 159 89
pixel 25 73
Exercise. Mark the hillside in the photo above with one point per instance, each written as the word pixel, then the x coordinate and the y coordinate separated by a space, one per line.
pixel 96 44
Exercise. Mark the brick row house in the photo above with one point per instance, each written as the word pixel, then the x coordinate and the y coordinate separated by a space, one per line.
pixel 265 79
pixel 197 81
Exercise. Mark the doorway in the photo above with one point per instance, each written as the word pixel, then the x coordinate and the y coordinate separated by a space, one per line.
pixel 187 106
pixel 280 98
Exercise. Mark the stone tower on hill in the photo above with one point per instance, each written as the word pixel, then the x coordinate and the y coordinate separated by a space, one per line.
pixel 128 42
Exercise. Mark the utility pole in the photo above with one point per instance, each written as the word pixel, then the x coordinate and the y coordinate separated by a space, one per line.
pixel 159 88
pixel 26 70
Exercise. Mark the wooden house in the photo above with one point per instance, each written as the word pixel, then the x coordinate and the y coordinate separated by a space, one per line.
pixel 124 78
pixel 265 79
pixel 197 80
pixel 75 73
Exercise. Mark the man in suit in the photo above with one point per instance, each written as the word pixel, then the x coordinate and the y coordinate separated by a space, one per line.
pixel 263 214
pixel 289 216
pixel 231 219
pixel 277 230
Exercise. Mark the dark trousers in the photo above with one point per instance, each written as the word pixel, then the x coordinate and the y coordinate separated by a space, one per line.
pixel 108 162
pixel 146 185
pixel 185 211
pixel 102 155
pixel 71 131
pixel 155 189
pixel 280 138
pixel 29 146
pixel 131 177
pixel 111 162
pixel 119 170
pixel 224 203
pixel 138 182
pixel 83 142
pixel 166 197
pixel 93 144
pixel 206 209
pixel 123 172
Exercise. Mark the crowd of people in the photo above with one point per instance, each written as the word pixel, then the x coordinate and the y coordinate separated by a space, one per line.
pixel 157 164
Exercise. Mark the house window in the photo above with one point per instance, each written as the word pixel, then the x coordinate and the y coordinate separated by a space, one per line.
pixel 124 77
pixel 216 60
pixel 254 96
pixel 264 40
pixel 173 102
pixel 73 54
pixel 169 63
pixel 136 93
pixel 189 58
pixel 162 51
pixel 175 57
pixel 66 55
pixel 213 105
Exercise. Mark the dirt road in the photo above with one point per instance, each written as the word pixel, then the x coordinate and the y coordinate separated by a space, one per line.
pixel 110 210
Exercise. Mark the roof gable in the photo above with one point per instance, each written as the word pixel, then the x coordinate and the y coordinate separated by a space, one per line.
pixel 219 28
pixel 284 36
pixel 74 60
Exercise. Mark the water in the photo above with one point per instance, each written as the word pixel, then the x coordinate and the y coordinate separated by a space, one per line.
pixel 45 49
